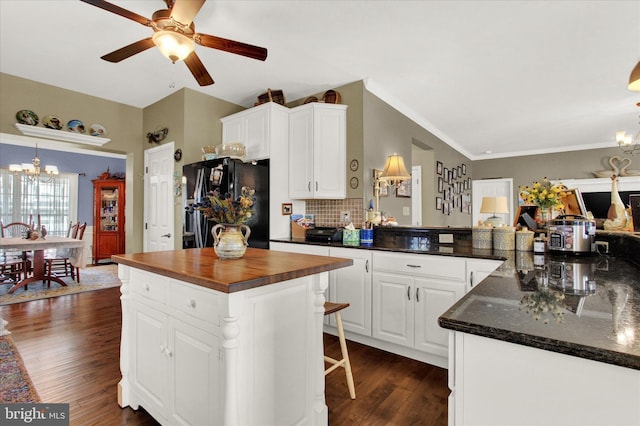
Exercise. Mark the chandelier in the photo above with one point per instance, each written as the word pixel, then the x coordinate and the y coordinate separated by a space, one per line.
pixel 33 170
pixel 628 143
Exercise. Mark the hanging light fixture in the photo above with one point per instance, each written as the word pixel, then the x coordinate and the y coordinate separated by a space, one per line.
pixel 628 143
pixel 33 170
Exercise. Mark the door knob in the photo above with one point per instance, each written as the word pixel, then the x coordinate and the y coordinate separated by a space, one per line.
pixel 166 235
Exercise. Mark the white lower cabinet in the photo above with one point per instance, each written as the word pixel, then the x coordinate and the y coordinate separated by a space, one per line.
pixel 396 298
pixel 479 269
pixel 176 366
pixel 410 292
pixel 352 285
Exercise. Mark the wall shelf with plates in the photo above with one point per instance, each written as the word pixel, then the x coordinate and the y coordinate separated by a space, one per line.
pixel 61 135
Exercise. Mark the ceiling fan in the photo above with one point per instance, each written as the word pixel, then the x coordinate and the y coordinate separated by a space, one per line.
pixel 174 34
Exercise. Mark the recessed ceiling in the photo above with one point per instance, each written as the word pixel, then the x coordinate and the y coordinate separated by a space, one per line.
pixel 512 78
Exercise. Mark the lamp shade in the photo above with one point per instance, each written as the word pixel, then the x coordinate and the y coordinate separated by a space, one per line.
pixel 173 45
pixel 395 169
pixel 494 205
pixel 634 78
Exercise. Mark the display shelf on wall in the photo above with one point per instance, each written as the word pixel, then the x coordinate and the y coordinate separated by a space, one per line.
pixel 60 135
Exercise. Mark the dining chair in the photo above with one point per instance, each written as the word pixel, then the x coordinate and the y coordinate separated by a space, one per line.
pixel 57 263
pixel 13 264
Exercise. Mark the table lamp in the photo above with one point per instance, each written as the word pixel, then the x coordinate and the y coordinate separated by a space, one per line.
pixel 495 205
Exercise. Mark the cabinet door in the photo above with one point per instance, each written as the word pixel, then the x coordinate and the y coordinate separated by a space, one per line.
pixel 353 285
pixel 433 298
pixel 150 358
pixel 393 308
pixel 478 270
pixel 329 153
pixel 257 134
pixel 195 394
pixel 233 129
pixel 301 154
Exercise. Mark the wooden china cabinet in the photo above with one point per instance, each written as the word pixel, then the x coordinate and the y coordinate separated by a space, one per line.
pixel 108 217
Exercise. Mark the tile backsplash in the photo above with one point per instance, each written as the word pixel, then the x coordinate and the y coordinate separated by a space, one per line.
pixel 327 212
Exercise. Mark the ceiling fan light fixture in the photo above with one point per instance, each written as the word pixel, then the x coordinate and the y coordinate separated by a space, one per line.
pixel 173 45
pixel 634 78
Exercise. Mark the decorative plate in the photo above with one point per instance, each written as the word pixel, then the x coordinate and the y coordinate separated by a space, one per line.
pixel 53 122
pixel 97 130
pixel 27 117
pixel 75 126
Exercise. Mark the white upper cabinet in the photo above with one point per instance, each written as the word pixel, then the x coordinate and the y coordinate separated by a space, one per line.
pixel 257 128
pixel 317 151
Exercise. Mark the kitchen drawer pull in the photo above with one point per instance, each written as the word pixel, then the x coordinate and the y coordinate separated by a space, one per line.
pixel 191 303
pixel 409 293
pixel 413 266
pixel 417 294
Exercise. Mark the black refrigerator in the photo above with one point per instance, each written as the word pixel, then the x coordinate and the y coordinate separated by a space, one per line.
pixel 229 176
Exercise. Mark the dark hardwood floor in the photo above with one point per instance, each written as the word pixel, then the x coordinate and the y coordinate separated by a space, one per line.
pixel 70 346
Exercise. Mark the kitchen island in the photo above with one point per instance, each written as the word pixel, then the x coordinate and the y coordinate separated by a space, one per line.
pixel 210 341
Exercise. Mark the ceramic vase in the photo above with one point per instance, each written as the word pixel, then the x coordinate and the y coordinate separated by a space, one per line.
pixel 230 241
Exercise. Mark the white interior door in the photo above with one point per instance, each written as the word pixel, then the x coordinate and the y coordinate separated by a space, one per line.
pixel 158 198
pixel 492 188
pixel 416 195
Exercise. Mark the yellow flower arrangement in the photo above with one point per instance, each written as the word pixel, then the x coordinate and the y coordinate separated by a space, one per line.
pixel 543 194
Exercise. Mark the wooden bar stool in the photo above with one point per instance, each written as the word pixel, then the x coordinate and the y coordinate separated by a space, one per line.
pixel 335 308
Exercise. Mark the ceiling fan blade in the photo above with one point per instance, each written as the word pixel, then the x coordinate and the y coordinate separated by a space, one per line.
pixel 130 50
pixel 119 11
pixel 198 70
pixel 231 46
pixel 184 11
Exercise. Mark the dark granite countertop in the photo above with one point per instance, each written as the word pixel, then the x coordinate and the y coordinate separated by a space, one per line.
pixel 593 306
pixel 455 250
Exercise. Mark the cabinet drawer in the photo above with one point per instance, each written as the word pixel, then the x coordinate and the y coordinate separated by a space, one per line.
pixel 423 265
pixel 149 285
pixel 203 304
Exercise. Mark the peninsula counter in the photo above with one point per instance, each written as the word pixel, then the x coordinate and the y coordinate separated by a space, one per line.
pixel 210 341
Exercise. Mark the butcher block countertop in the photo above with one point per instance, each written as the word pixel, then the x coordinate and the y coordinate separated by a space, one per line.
pixel 258 267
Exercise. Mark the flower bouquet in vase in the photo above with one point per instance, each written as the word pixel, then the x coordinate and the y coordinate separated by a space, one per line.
pixel 547 196
pixel 230 233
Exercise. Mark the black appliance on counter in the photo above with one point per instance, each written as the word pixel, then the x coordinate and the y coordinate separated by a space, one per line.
pixel 323 234
pixel 229 176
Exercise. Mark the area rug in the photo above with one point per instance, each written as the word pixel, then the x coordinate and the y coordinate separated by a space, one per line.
pixel 91 278
pixel 15 384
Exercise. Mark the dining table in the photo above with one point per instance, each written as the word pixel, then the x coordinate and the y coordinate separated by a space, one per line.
pixel 72 248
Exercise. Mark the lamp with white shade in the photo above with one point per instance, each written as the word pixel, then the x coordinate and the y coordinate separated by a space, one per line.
pixel 394 172
pixel 494 205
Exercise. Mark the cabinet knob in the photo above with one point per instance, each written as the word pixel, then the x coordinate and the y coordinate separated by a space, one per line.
pixel 146 287
pixel 191 303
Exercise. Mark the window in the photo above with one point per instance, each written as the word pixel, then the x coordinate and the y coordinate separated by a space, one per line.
pixel 23 199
